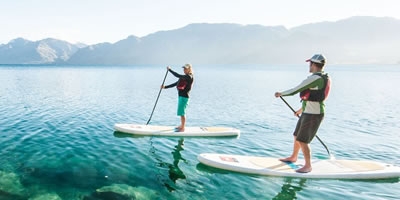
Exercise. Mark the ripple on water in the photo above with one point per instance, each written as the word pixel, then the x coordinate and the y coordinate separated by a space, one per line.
pixel 57 134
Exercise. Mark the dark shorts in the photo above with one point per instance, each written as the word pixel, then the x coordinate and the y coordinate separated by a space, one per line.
pixel 307 127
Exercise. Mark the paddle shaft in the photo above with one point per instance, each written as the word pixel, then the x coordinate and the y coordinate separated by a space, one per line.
pixel 299 117
pixel 148 121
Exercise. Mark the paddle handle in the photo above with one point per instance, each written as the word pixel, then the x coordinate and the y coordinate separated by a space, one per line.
pixel 288 105
pixel 158 96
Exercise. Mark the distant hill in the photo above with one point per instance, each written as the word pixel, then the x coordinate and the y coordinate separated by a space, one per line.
pixel 196 43
pixel 46 51
pixel 356 40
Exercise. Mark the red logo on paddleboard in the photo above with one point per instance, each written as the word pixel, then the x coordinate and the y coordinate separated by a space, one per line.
pixel 228 159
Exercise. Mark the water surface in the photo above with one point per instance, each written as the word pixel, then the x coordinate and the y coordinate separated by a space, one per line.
pixel 57 139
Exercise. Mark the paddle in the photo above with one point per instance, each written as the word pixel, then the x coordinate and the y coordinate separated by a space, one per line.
pixel 330 156
pixel 157 98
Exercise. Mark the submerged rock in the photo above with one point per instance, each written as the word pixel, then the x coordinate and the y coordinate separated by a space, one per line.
pixel 8 196
pixel 51 196
pixel 140 192
pixel 10 183
pixel 107 195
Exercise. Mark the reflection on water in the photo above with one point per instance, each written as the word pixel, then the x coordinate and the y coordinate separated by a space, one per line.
pixel 290 188
pixel 174 172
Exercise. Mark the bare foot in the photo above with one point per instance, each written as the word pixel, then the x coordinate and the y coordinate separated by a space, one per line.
pixel 288 159
pixel 180 129
pixel 304 170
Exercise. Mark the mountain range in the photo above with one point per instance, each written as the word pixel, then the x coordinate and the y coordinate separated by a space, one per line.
pixel 355 40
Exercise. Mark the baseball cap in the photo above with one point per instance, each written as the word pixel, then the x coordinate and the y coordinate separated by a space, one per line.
pixel 317 58
pixel 187 66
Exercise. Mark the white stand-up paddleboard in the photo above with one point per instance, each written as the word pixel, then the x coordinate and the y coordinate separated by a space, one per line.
pixel 171 131
pixel 326 169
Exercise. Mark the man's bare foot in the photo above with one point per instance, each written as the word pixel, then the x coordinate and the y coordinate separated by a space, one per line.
pixel 179 129
pixel 288 159
pixel 304 170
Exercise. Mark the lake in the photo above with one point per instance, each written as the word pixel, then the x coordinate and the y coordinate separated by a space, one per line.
pixel 57 139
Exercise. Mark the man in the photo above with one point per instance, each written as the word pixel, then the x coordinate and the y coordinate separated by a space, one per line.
pixel 313 91
pixel 184 85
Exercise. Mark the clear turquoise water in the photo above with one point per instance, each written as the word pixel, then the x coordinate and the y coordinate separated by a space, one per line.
pixel 57 139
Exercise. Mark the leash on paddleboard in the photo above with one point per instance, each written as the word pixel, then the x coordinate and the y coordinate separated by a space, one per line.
pixel 148 121
pixel 330 156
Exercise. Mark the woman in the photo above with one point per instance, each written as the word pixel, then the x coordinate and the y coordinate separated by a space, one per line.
pixel 184 85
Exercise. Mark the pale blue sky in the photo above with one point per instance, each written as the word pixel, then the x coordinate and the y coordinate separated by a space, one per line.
pixel 95 21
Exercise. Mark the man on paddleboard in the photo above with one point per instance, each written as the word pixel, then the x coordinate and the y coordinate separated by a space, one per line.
pixel 313 91
pixel 184 85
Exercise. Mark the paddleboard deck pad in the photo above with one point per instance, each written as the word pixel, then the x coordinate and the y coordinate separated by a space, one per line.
pixel 324 169
pixel 137 129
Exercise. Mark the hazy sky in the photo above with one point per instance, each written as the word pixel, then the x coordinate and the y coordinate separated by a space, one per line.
pixel 95 21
